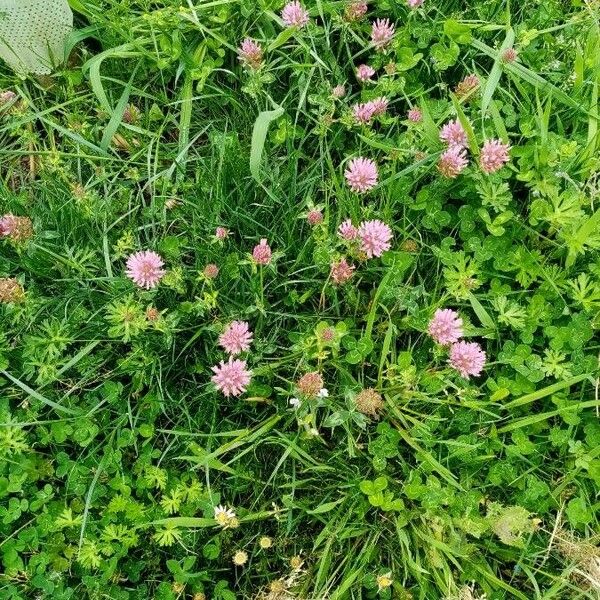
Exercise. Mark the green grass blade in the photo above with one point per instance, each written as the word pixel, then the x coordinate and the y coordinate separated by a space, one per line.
pixel 259 136
pixel 496 73
pixel 38 396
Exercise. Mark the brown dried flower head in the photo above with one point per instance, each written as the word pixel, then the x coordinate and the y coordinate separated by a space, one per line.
pixel 17 229
pixel 310 384
pixel 11 290
pixel 369 402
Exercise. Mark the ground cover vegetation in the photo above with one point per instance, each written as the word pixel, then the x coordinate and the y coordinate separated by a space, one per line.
pixel 302 302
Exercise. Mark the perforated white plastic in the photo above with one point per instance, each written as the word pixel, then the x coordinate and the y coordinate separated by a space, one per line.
pixel 33 34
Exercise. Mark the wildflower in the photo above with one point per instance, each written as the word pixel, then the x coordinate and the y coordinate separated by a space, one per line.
pixel 347 231
pixel 294 15
pixel 236 338
pixel 295 403
pixel 374 237
pixel 278 589
pixel 211 271
pixel 250 53
pixel 409 246
pixel 131 114
pixel 7 97
pixel 262 253
pixel 265 542
pixel 224 516
pixel 152 313
pixel 390 68
pixel 453 134
pixel 231 377
pixel 384 581
pixel 415 115
pixel 363 112
pixel 414 3
pixel 323 393
pixel 445 327
pixel 199 596
pixel 339 91
pixel 341 271
pixel 467 592
pixel 466 86
pixel 452 162
pixel 355 10
pixel 509 55
pixel 296 563
pixel 11 290
pixel 144 268
pixel 379 105
pixel 361 174
pixel 240 558
pixel 364 73
pixel 314 217
pixel 310 384
pixel 171 203
pixel 382 32
pixel 328 334
pixel 467 358
pixel 18 229
pixel 221 233
pixel 493 156
pixel 369 402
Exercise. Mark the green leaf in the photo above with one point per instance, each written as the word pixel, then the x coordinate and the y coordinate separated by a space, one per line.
pixel 93 66
pixel 328 506
pixel 380 484
pixel 38 396
pixel 191 522
pixel 282 38
pixel 376 499
pixel 365 346
pixel 527 75
pixel 496 72
pixel 407 59
pixel 482 314
pixel 591 225
pixel 458 32
pixel 367 487
pixel 353 357
pixel 578 512
pixel 117 116
pixel 259 135
pixel 547 391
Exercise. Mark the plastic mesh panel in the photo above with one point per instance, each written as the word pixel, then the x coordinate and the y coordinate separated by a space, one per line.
pixel 33 33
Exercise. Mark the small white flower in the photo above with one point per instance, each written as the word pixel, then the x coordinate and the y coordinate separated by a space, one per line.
pixel 323 393
pixel 294 403
pixel 314 432
pixel 384 581
pixel 224 516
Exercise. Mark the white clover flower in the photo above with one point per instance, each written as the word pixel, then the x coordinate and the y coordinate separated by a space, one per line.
pixel 295 403
pixel 323 393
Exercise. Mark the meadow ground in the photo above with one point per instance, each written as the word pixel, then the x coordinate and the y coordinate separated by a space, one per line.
pixel 302 303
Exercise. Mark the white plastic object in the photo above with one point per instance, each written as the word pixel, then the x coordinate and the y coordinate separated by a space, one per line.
pixel 33 34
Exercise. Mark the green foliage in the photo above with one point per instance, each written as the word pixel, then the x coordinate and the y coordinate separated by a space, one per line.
pixel 116 449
